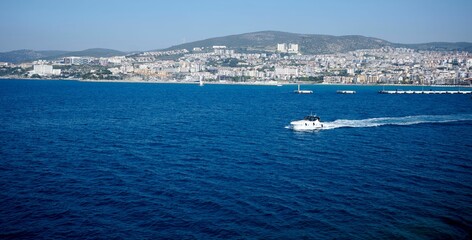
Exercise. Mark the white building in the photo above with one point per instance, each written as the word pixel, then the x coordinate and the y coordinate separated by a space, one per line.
pixel 286 71
pixel 77 60
pixel 282 47
pixel 469 63
pixel 45 70
pixel 116 60
pixel 292 48
pixel 222 50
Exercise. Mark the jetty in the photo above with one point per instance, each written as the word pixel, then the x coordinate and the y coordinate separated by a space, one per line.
pixel 302 91
pixel 346 92
pixel 423 92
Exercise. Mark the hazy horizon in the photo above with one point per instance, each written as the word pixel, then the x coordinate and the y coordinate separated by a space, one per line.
pixel 148 25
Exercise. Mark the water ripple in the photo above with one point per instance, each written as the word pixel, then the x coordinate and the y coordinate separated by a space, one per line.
pixel 178 161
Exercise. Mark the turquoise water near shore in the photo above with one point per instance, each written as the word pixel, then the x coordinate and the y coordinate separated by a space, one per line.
pixel 132 160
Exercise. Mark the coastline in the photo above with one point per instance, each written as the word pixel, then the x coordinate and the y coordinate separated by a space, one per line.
pixel 255 83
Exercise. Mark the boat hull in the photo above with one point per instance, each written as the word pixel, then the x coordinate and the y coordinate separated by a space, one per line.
pixel 303 125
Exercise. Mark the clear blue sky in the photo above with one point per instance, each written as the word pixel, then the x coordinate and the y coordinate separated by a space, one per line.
pixel 147 24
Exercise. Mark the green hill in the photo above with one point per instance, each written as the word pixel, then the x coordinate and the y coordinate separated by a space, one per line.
pixel 313 43
pixel 253 42
pixel 25 55
pixel 19 56
pixel 93 52
pixel 440 46
pixel 308 43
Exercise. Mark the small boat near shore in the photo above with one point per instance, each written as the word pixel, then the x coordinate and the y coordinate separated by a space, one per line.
pixel 309 123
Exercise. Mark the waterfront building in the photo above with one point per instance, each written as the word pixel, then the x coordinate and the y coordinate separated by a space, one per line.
pixel 45 70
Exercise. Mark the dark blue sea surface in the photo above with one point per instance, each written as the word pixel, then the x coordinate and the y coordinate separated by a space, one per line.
pixel 87 160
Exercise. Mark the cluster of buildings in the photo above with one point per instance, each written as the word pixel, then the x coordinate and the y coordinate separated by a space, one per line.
pixel 398 66
pixel 287 64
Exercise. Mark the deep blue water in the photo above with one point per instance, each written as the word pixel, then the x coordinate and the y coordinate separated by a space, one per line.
pixel 150 161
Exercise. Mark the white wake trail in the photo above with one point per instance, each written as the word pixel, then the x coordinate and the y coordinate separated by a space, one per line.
pixel 408 120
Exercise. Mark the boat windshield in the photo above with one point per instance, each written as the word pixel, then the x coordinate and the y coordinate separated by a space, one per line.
pixel 312 118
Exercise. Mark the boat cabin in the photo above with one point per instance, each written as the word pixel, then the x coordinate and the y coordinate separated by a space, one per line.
pixel 312 118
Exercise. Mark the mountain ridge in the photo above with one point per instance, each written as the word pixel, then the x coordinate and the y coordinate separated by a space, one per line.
pixel 315 43
pixel 251 42
pixel 25 55
pixel 267 41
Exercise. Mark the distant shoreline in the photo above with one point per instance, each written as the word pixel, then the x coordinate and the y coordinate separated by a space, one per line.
pixel 229 83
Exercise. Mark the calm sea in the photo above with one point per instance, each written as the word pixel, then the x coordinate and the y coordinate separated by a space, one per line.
pixel 88 160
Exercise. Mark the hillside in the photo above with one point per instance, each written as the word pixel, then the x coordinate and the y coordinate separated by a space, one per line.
pixel 24 55
pixel 19 56
pixel 314 43
pixel 439 46
pixel 309 43
pixel 251 42
pixel 93 52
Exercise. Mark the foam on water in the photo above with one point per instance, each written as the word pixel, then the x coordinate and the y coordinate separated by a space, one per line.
pixel 407 120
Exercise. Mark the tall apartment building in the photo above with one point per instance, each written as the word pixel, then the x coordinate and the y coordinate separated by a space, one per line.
pixel 282 47
pixel 287 48
pixel 292 48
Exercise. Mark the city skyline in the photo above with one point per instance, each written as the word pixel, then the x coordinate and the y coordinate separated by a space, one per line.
pixel 148 25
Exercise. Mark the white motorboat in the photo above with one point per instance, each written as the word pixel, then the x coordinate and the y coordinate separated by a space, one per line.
pixel 309 123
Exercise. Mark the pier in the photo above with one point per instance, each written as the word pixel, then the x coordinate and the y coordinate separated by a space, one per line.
pixel 424 92
pixel 345 92
pixel 302 91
